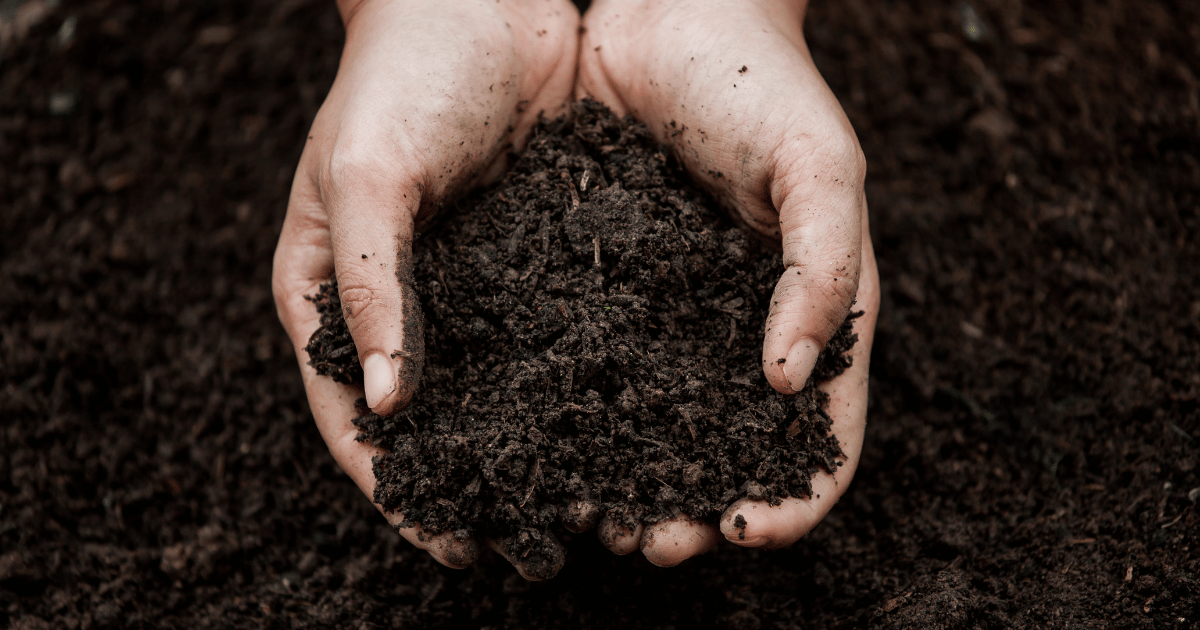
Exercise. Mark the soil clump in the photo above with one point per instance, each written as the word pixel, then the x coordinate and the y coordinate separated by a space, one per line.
pixel 593 333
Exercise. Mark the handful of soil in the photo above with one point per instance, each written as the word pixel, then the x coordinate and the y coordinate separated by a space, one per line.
pixel 593 332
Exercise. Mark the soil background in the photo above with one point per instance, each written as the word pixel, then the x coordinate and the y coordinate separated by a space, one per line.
pixel 1034 432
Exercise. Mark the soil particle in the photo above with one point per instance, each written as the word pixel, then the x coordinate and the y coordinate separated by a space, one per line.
pixel 589 357
pixel 739 523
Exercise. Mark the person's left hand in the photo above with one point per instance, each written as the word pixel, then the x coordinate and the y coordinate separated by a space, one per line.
pixel 731 87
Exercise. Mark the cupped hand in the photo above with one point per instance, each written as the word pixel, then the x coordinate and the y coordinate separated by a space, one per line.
pixel 429 97
pixel 731 87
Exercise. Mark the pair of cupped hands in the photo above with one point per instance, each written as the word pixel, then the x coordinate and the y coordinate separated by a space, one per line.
pixel 432 95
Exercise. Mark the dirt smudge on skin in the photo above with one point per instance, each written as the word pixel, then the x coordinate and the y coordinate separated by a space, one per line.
pixel 412 351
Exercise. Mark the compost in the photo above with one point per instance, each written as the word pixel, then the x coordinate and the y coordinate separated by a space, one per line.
pixel 582 338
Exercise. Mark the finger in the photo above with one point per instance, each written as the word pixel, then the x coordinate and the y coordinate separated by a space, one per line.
pixel 592 78
pixel 821 205
pixel 758 524
pixel 333 407
pixel 540 559
pixel 617 538
pixel 303 259
pixel 580 516
pixel 667 543
pixel 549 91
pixel 371 207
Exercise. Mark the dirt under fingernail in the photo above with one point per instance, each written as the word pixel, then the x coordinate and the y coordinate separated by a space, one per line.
pixel 739 523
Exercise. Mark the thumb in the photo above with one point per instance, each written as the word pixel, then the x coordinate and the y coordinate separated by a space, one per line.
pixel 821 205
pixel 371 230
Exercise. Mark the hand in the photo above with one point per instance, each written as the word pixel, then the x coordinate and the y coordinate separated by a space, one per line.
pixel 731 87
pixel 429 98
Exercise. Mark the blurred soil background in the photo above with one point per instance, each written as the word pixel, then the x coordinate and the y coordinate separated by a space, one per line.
pixel 1031 459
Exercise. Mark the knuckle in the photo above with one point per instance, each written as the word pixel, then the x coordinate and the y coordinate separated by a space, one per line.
pixel 282 291
pixel 291 306
pixel 830 291
pixel 279 285
pixel 362 163
pixel 352 163
pixel 361 298
pixel 839 288
pixel 842 156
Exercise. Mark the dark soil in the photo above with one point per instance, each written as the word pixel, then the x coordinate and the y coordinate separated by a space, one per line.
pixel 1034 429
pixel 581 331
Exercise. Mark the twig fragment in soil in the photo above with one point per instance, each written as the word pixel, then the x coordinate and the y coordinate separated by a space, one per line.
pixel 637 438
pixel 596 242
pixel 574 193
pixel 1179 431
pixel 681 238
pixel 537 467
pixel 686 416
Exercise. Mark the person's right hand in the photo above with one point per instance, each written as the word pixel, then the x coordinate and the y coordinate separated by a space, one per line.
pixel 429 97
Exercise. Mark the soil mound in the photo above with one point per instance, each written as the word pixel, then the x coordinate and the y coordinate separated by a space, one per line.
pixel 593 332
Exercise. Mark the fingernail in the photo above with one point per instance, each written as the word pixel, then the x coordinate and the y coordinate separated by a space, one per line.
pixel 737 533
pixel 801 360
pixel 457 554
pixel 580 516
pixel 379 379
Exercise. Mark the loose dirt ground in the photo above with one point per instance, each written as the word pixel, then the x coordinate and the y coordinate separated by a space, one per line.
pixel 1034 433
